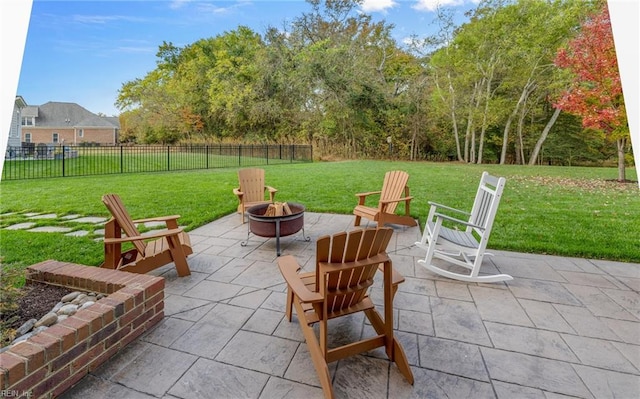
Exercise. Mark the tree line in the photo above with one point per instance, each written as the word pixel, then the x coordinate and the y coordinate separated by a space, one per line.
pixel 487 90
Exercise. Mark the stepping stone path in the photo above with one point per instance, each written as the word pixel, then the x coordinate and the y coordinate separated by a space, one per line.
pixel 28 226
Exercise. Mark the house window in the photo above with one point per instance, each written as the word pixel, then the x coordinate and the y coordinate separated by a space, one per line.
pixel 80 133
pixel 55 137
pixel 27 137
pixel 28 121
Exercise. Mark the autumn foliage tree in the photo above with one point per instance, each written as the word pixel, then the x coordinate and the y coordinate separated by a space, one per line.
pixel 595 91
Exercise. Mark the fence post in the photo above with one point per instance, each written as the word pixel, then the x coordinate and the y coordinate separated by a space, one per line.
pixel 206 151
pixel 168 158
pixel 121 159
pixel 267 145
pixel 239 155
pixel 63 165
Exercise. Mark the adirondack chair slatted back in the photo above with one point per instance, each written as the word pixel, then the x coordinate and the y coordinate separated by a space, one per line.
pixel 252 184
pixel 393 187
pixel 346 264
pixel 119 213
pixel 343 283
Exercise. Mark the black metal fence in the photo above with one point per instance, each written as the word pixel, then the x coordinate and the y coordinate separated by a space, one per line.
pixel 43 161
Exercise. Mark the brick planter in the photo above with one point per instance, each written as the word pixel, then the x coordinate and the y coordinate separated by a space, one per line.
pixel 52 361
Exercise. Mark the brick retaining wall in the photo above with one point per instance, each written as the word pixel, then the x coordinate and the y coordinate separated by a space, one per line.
pixel 50 362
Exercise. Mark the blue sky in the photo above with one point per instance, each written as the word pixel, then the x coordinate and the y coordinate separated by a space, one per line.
pixel 83 51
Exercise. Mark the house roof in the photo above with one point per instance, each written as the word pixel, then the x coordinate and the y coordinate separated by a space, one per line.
pixel 58 114
pixel 30 110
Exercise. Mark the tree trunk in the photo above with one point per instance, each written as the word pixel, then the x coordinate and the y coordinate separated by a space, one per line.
pixel 543 137
pixel 621 171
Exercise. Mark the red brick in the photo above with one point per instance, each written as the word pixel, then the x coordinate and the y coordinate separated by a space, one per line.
pixel 142 319
pixel 118 306
pixel 128 317
pixel 154 287
pixel 138 294
pixel 14 368
pixel 127 299
pixel 69 356
pixel 30 351
pixel 93 319
pixel 106 355
pixel 115 338
pixel 154 320
pixel 68 383
pixel 106 312
pixel 132 335
pixel 82 327
pixel 101 335
pixel 52 345
pixel 31 380
pixel 66 335
pixel 81 361
pixel 160 308
pixel 50 382
pixel 152 301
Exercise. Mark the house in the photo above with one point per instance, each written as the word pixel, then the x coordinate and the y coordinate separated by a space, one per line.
pixel 61 123
pixel 15 129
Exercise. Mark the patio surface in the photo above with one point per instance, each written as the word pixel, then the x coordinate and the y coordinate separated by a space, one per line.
pixel 564 327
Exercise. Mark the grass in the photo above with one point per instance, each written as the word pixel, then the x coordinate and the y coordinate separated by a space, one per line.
pixel 568 211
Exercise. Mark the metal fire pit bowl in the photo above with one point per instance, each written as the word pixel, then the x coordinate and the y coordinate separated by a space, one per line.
pixel 275 226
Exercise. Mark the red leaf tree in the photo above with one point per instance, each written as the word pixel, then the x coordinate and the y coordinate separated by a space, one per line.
pixel 595 91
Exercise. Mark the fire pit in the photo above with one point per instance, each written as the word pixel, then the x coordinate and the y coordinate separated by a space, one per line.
pixel 264 222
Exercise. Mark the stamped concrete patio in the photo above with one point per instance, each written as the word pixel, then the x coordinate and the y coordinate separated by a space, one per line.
pixel 562 328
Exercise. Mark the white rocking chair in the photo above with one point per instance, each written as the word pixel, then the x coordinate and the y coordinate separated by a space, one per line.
pixel 466 247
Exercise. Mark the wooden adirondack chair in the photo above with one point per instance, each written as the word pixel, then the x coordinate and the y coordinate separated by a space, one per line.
pixel 465 247
pixel 149 251
pixel 252 190
pixel 394 190
pixel 346 264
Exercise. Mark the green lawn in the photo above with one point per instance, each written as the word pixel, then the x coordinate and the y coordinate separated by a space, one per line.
pixel 566 211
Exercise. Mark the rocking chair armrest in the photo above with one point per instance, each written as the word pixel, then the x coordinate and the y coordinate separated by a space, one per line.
pixel 452 219
pixel 289 269
pixel 437 205
pixel 159 234
pixel 157 219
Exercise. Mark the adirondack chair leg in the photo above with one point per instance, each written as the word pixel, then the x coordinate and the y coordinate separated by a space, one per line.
pixel 179 258
pixel 357 222
pixel 315 351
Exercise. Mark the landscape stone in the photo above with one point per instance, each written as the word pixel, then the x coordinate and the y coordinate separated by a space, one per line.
pixel 70 297
pixel 47 320
pixel 26 327
pixel 68 309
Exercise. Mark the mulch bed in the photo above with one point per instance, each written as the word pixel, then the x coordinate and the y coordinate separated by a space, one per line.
pixel 35 301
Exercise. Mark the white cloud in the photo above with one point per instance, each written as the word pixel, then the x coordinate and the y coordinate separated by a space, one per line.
pixel 432 5
pixel 175 4
pixel 377 5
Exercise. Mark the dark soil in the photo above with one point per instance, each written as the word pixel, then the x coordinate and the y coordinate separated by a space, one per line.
pixel 35 301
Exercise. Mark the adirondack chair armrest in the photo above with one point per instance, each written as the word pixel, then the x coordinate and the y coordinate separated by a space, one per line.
pixel 157 219
pixel 397 200
pixel 289 269
pixel 237 192
pixel 159 234
pixel 363 196
pixel 463 222
pixel 271 189
pixel 437 205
